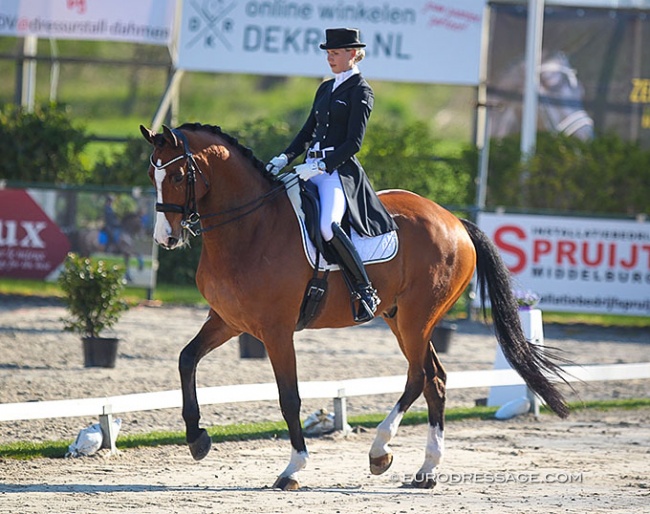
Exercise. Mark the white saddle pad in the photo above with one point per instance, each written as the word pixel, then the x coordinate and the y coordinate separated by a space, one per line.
pixel 371 249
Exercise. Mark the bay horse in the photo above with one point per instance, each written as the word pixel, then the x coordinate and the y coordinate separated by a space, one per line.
pixel 253 273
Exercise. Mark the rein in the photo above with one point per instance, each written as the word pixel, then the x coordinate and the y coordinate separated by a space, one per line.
pixel 191 216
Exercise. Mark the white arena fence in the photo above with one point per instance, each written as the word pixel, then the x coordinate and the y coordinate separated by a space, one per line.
pixel 338 390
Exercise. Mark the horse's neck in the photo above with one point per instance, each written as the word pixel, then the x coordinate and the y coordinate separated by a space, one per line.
pixel 237 193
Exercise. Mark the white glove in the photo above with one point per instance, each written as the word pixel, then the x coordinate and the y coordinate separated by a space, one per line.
pixel 276 164
pixel 308 170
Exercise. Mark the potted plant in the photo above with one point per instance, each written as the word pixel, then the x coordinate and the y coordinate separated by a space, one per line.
pixel 92 295
pixel 526 300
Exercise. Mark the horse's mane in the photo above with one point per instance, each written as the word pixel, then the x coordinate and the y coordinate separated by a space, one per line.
pixel 244 150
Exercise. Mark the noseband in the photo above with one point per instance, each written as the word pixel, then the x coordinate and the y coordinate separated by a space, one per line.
pixel 188 210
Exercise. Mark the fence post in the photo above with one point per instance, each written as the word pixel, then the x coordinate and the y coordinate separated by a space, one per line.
pixel 340 411
pixel 108 431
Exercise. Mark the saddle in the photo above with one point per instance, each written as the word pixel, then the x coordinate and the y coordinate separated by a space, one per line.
pixel 306 207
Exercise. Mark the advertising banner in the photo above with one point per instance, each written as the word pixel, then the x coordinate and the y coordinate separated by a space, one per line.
pixel 594 76
pixel 576 264
pixel 144 21
pixel 31 244
pixel 407 40
pixel 38 227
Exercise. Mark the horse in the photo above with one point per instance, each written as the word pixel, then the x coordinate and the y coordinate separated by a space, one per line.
pixel 560 105
pixel 93 240
pixel 252 272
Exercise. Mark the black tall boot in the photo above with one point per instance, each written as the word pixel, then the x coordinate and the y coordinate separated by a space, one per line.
pixel 355 273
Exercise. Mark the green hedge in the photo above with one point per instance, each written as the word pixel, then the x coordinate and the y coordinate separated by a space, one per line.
pixel 603 176
pixel 42 146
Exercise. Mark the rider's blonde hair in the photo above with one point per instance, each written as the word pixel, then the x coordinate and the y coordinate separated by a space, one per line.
pixel 361 53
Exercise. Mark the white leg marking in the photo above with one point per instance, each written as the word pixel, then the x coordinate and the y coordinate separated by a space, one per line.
pixel 435 449
pixel 386 430
pixel 297 463
pixel 162 230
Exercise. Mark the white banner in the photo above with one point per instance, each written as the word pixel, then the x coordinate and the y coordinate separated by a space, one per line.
pixel 576 264
pixel 407 40
pixel 141 21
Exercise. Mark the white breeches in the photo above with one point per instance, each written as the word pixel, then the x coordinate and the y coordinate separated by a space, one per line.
pixel 332 201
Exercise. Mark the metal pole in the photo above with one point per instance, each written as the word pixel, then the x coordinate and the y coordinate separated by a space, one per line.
pixel 482 118
pixel 484 159
pixel 534 30
pixel 29 73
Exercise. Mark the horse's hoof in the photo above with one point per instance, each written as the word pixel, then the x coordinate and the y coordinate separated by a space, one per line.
pixel 286 484
pixel 379 465
pixel 423 481
pixel 200 447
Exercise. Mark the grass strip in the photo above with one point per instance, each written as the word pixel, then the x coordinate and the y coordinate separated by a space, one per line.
pixel 277 429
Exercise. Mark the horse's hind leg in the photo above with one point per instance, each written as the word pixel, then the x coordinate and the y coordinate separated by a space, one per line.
pixel 213 334
pixel 381 456
pixel 435 395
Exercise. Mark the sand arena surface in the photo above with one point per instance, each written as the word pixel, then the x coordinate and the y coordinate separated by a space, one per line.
pixel 592 462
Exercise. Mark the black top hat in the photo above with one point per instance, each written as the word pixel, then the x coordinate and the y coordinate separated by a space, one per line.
pixel 341 38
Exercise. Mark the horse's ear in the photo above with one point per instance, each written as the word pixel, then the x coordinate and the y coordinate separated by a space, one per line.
pixel 147 134
pixel 169 136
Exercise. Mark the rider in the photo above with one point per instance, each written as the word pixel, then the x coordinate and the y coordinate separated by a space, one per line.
pixel 112 224
pixel 332 135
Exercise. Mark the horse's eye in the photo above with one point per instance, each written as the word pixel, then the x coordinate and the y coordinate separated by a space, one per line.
pixel 177 178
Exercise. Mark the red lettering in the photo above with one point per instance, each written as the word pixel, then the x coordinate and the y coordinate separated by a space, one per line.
pixel 612 255
pixel 499 239
pixel 540 247
pixel 633 259
pixel 646 248
pixel 566 249
pixel 585 254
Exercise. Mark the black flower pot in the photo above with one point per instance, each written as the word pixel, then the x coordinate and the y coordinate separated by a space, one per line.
pixel 251 348
pixel 100 352
pixel 442 336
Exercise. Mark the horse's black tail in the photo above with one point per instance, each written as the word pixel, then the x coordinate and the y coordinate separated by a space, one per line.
pixel 528 359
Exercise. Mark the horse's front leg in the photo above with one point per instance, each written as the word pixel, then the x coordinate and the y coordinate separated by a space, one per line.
pixel 213 334
pixel 283 360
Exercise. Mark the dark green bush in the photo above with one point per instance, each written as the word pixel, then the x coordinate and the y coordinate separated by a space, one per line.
pixel 408 157
pixel 606 175
pixel 42 146
pixel 126 168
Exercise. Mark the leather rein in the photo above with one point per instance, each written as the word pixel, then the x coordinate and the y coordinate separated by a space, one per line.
pixel 189 210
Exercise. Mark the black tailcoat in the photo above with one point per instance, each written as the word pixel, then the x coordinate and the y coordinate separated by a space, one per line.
pixel 338 119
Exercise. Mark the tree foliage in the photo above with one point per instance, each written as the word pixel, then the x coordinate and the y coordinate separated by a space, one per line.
pixel 125 168
pixel 42 146
pixel 408 157
pixel 605 175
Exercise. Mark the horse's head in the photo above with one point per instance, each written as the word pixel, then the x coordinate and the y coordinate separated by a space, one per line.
pixel 560 99
pixel 179 185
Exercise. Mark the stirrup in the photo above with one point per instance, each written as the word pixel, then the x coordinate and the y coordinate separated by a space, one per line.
pixel 368 302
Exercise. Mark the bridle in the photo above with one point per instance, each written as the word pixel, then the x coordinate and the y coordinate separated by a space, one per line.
pixel 189 210
pixel 191 216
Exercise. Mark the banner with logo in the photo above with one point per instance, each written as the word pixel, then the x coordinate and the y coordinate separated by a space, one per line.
pixel 594 76
pixel 407 40
pixel 576 264
pixel 31 244
pixel 38 227
pixel 142 21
